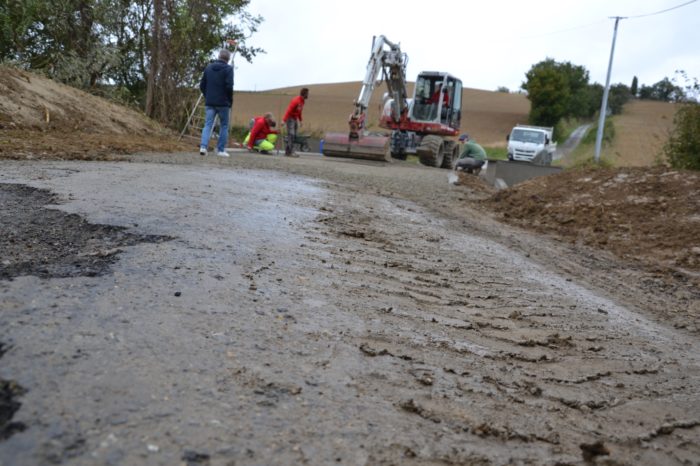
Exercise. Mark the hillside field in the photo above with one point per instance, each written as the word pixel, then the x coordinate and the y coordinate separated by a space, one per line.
pixel 488 116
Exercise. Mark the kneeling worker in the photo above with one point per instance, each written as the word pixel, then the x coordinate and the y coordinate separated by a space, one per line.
pixel 262 137
pixel 473 156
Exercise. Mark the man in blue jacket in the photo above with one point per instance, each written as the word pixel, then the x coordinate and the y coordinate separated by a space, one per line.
pixel 217 87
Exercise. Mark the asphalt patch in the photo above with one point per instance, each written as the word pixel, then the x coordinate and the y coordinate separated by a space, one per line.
pixel 9 392
pixel 49 243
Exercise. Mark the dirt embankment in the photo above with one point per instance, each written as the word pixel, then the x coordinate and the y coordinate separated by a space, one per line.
pixel 42 118
pixel 649 214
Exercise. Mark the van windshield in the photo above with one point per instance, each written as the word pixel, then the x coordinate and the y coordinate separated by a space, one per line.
pixel 526 135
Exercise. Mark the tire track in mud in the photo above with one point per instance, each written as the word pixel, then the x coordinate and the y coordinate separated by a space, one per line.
pixel 483 345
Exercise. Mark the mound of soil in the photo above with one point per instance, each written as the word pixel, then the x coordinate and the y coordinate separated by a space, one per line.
pixel 651 215
pixel 40 117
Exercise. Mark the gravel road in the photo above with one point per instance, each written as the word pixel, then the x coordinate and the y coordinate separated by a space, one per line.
pixel 263 310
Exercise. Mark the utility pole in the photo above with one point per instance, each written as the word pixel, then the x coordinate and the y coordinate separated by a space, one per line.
pixel 604 104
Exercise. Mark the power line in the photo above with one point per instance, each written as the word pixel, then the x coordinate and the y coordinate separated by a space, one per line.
pixel 662 11
pixel 586 26
pixel 604 104
pixel 575 28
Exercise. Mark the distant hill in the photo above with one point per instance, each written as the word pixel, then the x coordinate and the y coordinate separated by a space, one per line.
pixel 487 116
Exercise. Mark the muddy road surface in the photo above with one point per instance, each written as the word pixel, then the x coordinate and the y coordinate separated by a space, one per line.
pixel 260 310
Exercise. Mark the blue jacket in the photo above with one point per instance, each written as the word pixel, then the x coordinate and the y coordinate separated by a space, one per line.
pixel 217 84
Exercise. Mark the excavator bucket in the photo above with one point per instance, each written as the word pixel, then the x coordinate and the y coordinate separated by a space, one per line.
pixel 365 147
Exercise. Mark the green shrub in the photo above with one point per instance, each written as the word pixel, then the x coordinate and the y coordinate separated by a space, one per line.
pixel 238 133
pixel 564 128
pixel 589 162
pixel 608 133
pixel 683 146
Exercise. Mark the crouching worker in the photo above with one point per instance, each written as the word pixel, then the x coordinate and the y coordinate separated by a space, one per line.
pixel 473 156
pixel 262 137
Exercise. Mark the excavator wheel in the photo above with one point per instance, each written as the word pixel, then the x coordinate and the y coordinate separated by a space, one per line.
pixel 451 155
pixel 431 151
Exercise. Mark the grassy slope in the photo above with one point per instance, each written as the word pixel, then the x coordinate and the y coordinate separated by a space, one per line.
pixel 640 132
pixel 639 135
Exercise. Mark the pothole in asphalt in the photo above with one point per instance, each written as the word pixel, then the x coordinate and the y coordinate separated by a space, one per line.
pixel 49 243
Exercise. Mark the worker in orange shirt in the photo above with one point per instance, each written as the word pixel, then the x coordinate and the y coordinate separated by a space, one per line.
pixel 292 118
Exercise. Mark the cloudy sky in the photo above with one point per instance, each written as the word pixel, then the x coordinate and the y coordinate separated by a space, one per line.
pixel 487 44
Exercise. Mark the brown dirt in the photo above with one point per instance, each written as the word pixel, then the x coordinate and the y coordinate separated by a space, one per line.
pixel 314 311
pixel 40 117
pixel 650 216
pixel 78 145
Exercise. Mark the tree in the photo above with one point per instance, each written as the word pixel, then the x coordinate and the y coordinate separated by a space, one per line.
pixel 683 146
pixel 682 149
pixel 503 89
pixel 181 43
pixel 595 97
pixel 61 38
pixel 663 90
pixel 634 86
pixel 619 95
pixel 16 17
pixel 150 50
pixel 556 90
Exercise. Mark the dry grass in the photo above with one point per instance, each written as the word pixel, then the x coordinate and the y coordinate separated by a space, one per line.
pixel 640 133
pixel 487 116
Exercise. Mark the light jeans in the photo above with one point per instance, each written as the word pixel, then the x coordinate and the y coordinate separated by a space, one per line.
pixel 210 113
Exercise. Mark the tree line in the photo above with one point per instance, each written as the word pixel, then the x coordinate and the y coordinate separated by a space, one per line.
pixel 144 52
pixel 558 90
pixel 561 90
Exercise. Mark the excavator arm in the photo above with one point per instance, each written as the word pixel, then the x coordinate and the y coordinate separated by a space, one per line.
pixel 386 64
pixel 388 60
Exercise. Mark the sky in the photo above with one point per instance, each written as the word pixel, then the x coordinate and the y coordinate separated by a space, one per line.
pixel 486 44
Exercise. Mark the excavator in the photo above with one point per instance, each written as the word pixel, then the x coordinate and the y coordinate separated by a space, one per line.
pixel 422 125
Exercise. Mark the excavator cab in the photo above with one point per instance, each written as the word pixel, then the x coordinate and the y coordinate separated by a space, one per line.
pixel 437 99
